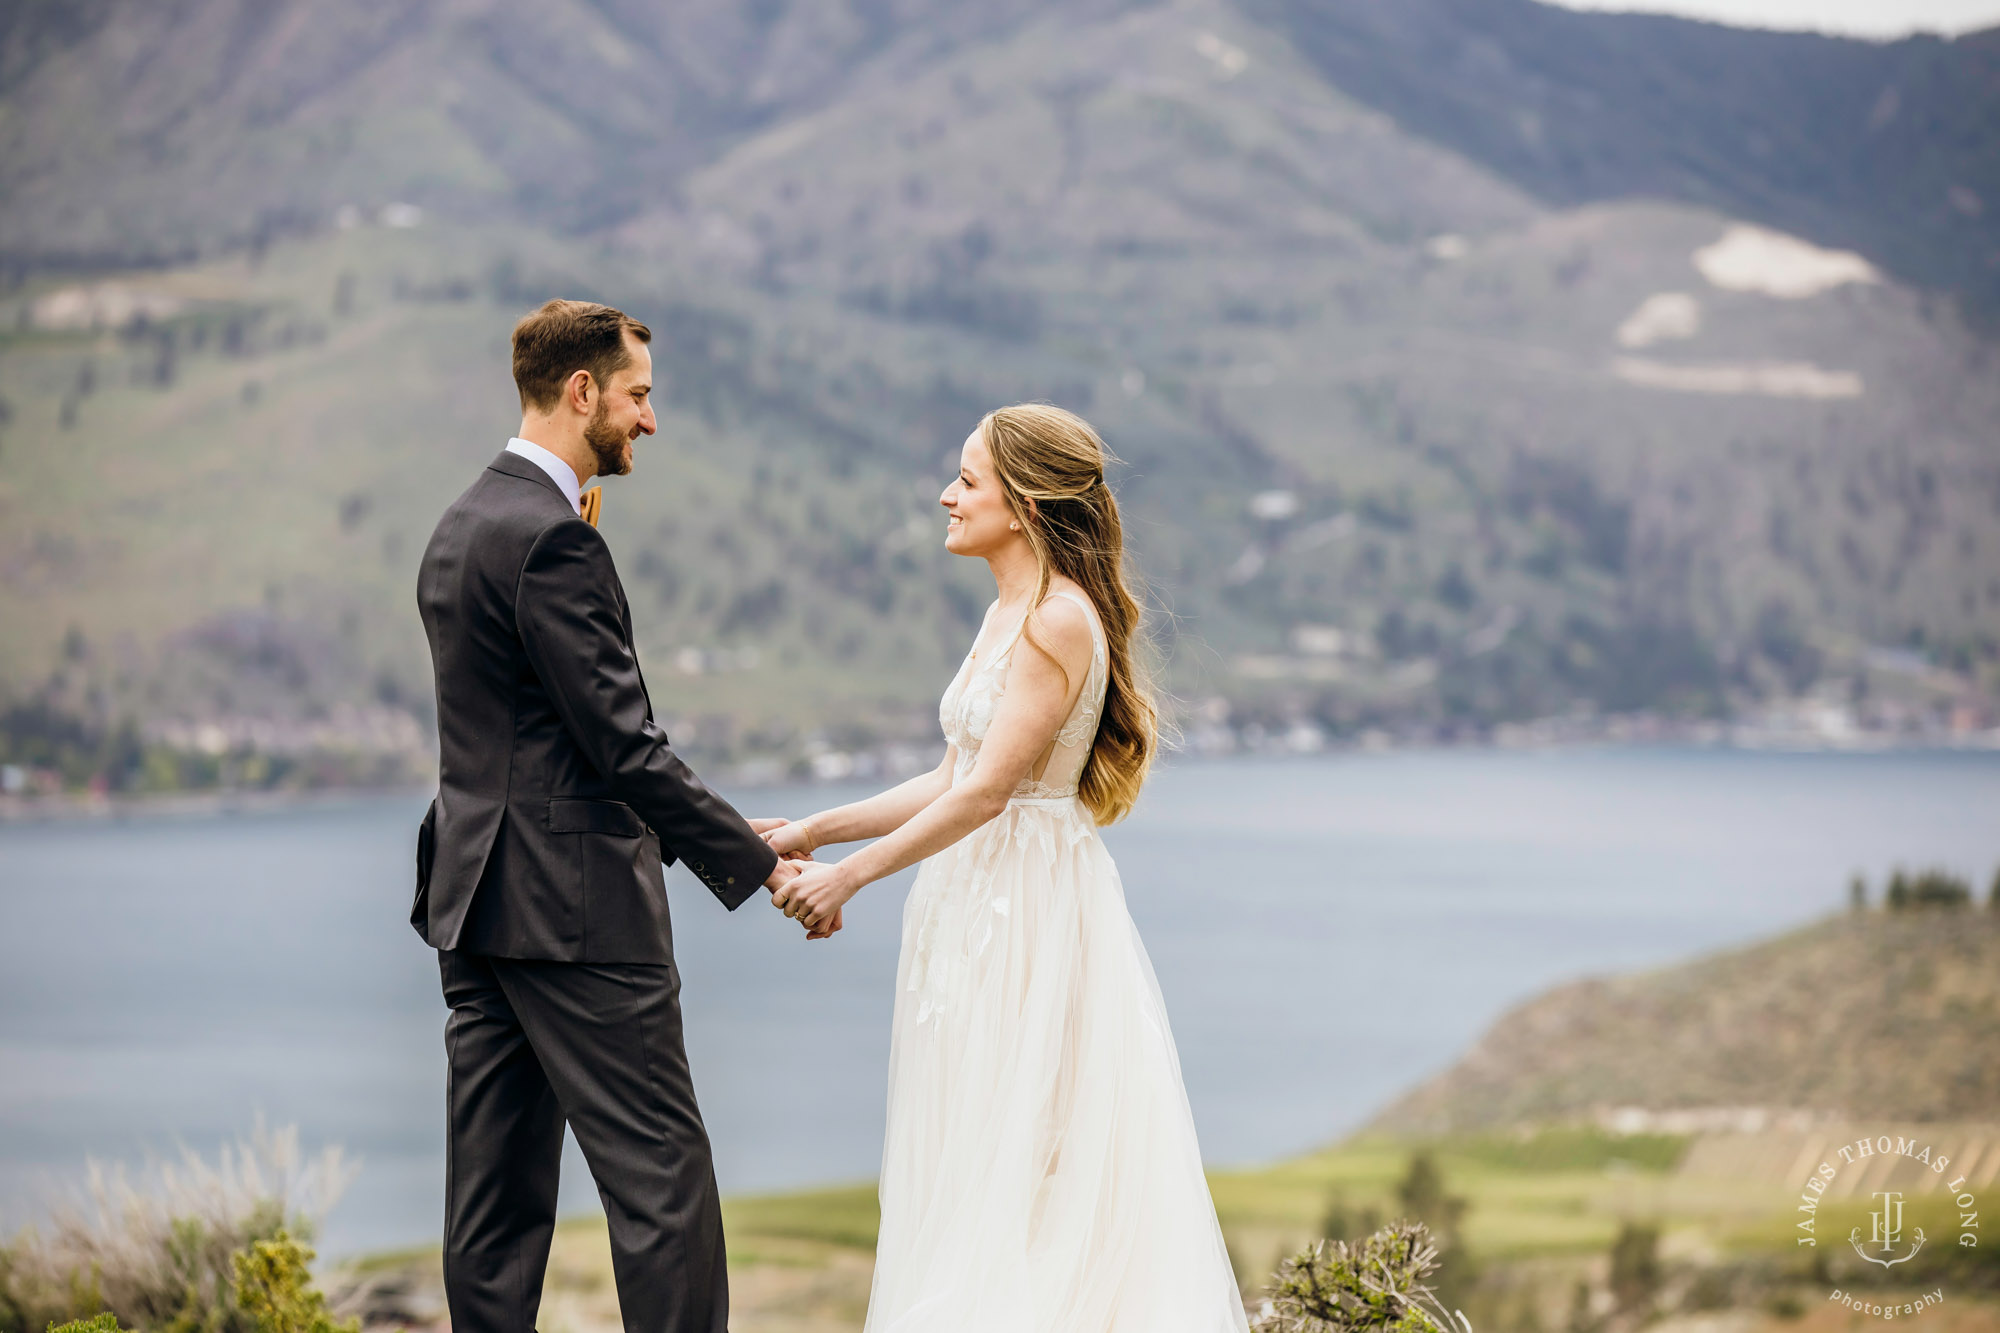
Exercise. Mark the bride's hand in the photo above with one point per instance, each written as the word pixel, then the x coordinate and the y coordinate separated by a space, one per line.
pixel 816 894
pixel 787 838
pixel 762 826
pixel 826 931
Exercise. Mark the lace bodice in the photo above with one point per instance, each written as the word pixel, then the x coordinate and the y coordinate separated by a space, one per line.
pixel 973 697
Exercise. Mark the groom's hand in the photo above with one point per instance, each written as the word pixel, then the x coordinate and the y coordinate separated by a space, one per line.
pixel 762 826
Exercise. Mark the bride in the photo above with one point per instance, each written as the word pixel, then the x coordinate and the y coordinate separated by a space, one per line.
pixel 1041 1173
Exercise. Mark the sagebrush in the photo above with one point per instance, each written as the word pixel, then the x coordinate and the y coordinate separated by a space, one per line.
pixel 1373 1285
pixel 159 1252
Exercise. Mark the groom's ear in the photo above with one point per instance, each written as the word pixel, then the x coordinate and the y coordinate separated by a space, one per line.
pixel 577 389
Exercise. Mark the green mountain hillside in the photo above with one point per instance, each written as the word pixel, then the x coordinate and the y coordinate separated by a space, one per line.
pixel 1891 148
pixel 284 112
pixel 1877 1017
pixel 1415 439
pixel 141 132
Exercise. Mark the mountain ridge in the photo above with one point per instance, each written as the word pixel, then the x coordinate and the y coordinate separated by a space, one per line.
pixel 1886 147
pixel 1890 148
pixel 1408 447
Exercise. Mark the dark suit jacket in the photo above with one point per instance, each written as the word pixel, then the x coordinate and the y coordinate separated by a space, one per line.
pixel 558 796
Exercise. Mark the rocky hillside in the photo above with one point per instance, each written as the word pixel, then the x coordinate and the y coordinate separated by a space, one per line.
pixel 1889 148
pixel 1884 1017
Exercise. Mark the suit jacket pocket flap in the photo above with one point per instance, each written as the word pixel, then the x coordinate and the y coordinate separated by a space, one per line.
pixel 577 814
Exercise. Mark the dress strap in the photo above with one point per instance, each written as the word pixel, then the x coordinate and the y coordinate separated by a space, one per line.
pixel 1021 625
pixel 1020 628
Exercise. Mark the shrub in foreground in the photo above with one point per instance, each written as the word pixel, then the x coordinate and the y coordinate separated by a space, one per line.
pixel 103 1323
pixel 274 1287
pixel 1375 1285
pixel 160 1254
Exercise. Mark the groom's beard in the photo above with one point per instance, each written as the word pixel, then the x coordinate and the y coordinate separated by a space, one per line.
pixel 607 443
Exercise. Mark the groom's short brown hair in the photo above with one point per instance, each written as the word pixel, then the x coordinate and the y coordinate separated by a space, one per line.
pixel 564 337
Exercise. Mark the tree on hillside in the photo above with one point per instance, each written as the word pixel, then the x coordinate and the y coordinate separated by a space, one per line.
pixel 1342 1222
pixel 1635 1266
pixel 1423 1198
pixel 1941 889
pixel 1581 1318
pixel 1993 894
pixel 1857 894
pixel 1422 1194
pixel 1929 890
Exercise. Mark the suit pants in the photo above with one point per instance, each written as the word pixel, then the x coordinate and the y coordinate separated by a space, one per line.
pixel 531 1045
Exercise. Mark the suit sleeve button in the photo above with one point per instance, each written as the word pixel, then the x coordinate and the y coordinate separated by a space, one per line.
pixel 732 879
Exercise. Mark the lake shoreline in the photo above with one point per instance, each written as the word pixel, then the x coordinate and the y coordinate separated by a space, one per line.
pixel 70 807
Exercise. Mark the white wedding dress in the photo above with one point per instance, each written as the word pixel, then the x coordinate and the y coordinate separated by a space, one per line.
pixel 1040 1173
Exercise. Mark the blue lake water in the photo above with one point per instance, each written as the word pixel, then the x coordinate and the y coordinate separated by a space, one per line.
pixel 1327 931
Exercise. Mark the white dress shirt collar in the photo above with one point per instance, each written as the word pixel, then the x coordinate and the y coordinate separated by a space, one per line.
pixel 559 472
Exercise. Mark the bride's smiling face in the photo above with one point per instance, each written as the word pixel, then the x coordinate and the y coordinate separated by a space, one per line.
pixel 979 516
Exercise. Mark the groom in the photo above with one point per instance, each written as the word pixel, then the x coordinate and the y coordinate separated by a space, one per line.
pixel 539 865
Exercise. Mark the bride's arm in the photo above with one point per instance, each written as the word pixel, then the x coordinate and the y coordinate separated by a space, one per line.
pixel 884 812
pixel 1031 711
pixel 881 813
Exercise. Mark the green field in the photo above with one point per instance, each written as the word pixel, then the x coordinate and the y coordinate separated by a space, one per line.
pixel 1542 1211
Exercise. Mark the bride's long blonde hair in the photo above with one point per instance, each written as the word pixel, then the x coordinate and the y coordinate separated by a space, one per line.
pixel 1053 458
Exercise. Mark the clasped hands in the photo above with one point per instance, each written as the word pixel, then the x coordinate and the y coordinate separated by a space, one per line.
pixel 806 890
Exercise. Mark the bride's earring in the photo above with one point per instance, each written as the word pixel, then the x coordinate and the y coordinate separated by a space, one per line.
pixel 1013 526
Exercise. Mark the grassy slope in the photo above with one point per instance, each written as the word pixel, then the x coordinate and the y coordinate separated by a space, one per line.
pixel 1822 1019
pixel 300 482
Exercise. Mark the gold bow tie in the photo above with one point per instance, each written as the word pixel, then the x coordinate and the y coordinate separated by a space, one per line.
pixel 590 503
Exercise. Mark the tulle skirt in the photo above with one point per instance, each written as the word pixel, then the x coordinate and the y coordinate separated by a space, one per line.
pixel 1040 1173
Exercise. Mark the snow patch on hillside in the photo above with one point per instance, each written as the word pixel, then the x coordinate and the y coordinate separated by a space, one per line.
pixel 1753 259
pixel 1659 318
pixel 1773 379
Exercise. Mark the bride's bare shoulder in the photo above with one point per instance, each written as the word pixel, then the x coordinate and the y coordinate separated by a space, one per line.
pixel 1066 598
pixel 1064 626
